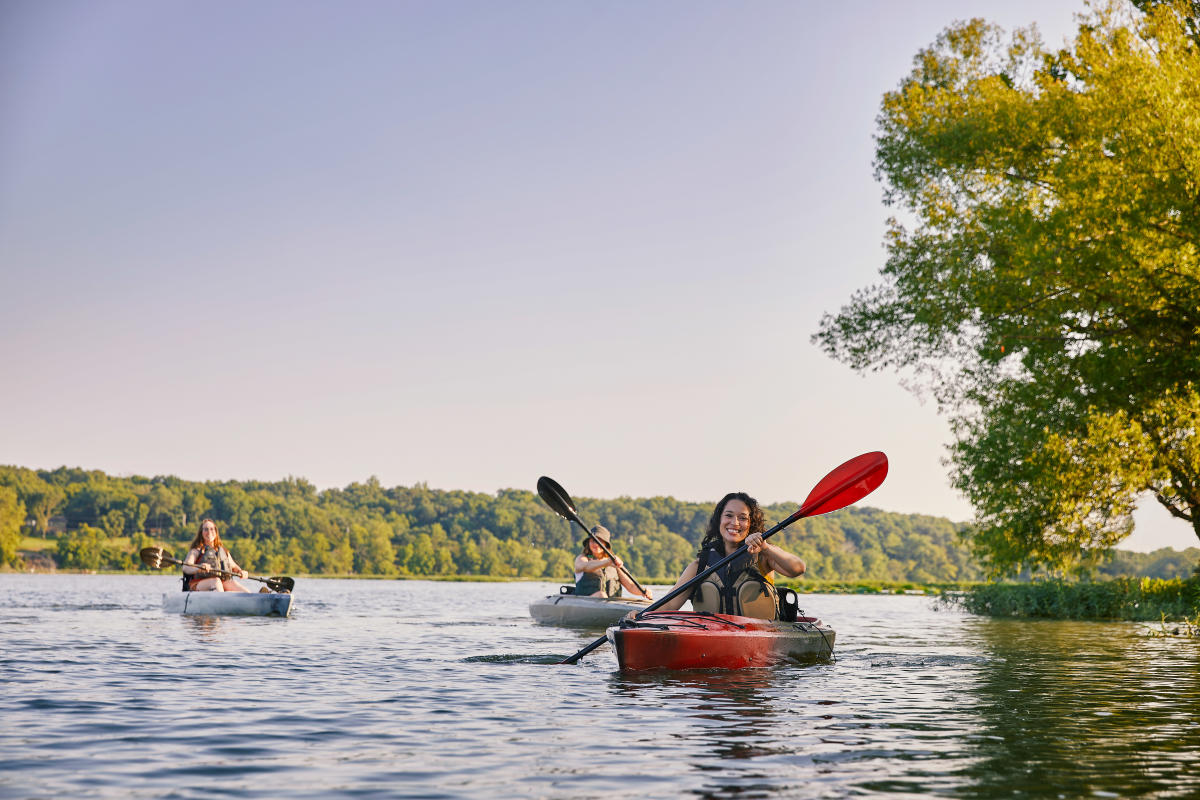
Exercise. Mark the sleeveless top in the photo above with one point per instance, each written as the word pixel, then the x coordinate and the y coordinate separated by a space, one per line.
pixel 738 588
pixel 606 579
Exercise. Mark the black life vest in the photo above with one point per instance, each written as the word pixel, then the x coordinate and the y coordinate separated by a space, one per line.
pixel 605 579
pixel 216 558
pixel 738 588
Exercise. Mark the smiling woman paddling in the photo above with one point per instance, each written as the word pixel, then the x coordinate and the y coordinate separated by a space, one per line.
pixel 208 552
pixel 745 585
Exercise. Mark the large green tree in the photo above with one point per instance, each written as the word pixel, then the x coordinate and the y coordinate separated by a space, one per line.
pixel 1043 282
pixel 41 500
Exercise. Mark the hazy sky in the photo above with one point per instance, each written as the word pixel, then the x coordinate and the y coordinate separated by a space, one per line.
pixel 466 243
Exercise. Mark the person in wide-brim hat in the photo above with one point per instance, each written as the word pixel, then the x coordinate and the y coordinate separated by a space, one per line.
pixel 597 575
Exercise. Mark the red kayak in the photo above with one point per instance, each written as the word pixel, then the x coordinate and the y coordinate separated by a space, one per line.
pixel 692 640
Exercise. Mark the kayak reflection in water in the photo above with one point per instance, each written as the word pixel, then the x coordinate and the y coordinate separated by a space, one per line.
pixel 597 575
pixel 745 586
pixel 207 555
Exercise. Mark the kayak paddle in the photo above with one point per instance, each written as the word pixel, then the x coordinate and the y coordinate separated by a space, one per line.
pixel 846 484
pixel 156 557
pixel 560 503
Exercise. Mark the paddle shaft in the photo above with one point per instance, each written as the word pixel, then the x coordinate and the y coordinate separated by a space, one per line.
pixel 270 582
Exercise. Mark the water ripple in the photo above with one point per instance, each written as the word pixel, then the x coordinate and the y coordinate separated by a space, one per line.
pixel 402 689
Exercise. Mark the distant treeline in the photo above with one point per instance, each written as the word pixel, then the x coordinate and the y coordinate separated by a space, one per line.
pixel 99 522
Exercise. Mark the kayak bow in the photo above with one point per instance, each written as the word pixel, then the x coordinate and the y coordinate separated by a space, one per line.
pixel 584 611
pixel 255 604
pixel 702 640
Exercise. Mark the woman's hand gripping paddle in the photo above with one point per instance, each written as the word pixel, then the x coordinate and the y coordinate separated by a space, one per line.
pixel 156 558
pixel 846 484
pixel 559 501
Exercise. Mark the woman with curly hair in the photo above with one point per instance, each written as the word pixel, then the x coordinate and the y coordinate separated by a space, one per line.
pixel 745 586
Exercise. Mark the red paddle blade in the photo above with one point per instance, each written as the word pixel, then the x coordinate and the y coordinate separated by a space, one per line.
pixel 846 484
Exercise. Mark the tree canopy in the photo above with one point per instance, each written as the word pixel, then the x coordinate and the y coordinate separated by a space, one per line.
pixel 12 514
pixel 414 531
pixel 100 521
pixel 1043 283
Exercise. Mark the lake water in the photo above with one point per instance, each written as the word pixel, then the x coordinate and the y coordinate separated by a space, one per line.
pixel 442 690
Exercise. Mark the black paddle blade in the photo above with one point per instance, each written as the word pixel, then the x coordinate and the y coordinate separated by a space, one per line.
pixel 557 498
pixel 284 584
pixel 152 557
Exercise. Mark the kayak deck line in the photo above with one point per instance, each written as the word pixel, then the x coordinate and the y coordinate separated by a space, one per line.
pixel 679 618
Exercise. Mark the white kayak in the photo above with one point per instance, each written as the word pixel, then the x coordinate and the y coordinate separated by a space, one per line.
pixel 583 611
pixel 257 604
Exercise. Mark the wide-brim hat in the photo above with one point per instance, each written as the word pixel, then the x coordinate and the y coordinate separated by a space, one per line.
pixel 601 533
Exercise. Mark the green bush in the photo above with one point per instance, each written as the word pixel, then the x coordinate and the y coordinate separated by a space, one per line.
pixel 1122 598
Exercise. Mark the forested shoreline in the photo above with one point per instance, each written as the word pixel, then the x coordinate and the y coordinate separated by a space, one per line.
pixel 88 520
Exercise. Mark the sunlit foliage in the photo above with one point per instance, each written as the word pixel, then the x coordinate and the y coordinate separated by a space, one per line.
pixel 12 514
pixel 1043 276
pixel 368 529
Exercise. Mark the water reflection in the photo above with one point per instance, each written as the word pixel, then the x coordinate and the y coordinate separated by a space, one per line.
pixel 1085 708
pixel 411 689
pixel 205 627
pixel 732 720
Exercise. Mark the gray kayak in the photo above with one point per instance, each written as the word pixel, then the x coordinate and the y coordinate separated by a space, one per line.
pixel 583 612
pixel 254 604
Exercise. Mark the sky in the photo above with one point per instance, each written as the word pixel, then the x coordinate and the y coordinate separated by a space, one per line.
pixel 465 243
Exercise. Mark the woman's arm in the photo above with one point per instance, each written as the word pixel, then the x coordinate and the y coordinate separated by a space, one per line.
pixel 782 561
pixel 585 564
pixel 676 603
pixel 189 567
pixel 774 558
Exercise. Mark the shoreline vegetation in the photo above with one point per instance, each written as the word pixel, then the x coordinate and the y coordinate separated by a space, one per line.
pixel 39 557
pixel 74 520
pixel 1173 603
pixel 1133 599
pixel 802 586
